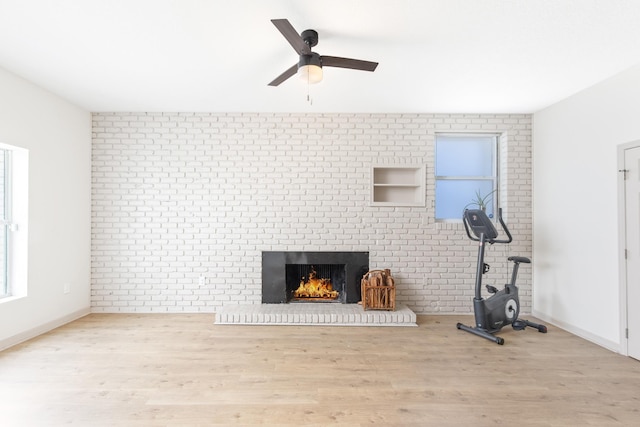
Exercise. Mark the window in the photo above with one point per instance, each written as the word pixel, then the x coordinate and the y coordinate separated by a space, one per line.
pixel 14 196
pixel 5 220
pixel 465 169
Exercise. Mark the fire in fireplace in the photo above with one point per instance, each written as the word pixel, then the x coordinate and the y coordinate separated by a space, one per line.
pixel 318 287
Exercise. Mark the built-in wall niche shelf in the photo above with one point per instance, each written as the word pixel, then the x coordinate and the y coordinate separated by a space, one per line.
pixel 397 186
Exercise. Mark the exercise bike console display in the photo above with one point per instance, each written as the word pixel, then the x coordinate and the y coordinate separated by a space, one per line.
pixel 503 306
pixel 480 224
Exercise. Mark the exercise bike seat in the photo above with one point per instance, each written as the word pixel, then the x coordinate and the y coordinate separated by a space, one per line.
pixel 519 259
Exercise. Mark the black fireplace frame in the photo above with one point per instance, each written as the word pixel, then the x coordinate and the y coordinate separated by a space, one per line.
pixel 274 283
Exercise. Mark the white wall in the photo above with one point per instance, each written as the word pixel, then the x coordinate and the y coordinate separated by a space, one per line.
pixel 576 283
pixel 176 196
pixel 57 135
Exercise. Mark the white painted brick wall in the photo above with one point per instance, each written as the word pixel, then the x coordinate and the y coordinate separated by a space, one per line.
pixel 184 195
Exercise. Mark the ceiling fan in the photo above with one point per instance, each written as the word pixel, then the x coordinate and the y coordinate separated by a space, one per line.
pixel 310 63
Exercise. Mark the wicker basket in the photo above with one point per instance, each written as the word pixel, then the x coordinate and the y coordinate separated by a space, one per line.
pixel 378 290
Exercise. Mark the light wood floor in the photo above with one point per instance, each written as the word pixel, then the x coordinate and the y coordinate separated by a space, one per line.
pixel 182 370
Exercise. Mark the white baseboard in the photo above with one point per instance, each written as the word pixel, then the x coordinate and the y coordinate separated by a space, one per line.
pixel 609 345
pixel 34 332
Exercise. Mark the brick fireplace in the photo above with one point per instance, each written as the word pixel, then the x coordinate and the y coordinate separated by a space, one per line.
pixel 284 272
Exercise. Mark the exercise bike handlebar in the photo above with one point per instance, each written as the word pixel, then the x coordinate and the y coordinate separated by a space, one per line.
pixel 505 228
pixel 482 225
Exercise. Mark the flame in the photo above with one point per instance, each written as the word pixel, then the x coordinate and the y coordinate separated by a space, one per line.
pixel 315 287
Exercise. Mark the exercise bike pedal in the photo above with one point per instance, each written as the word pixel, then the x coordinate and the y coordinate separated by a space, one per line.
pixel 519 325
pixel 492 289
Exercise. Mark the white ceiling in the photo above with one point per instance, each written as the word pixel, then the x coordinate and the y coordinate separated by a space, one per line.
pixel 479 56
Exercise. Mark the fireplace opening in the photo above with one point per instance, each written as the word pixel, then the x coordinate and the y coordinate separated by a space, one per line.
pixel 282 273
pixel 316 282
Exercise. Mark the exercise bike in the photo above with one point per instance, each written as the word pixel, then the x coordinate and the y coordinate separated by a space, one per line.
pixel 503 306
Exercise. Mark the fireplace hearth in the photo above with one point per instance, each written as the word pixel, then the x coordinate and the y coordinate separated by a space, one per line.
pixel 317 276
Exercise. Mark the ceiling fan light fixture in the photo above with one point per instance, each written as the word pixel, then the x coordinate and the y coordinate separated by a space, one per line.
pixel 310 68
pixel 310 73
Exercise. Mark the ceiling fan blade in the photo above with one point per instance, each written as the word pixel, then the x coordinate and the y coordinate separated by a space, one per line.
pixel 355 64
pixel 292 36
pixel 284 76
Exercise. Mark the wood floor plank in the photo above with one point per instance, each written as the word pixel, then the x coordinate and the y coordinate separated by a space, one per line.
pixel 168 370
